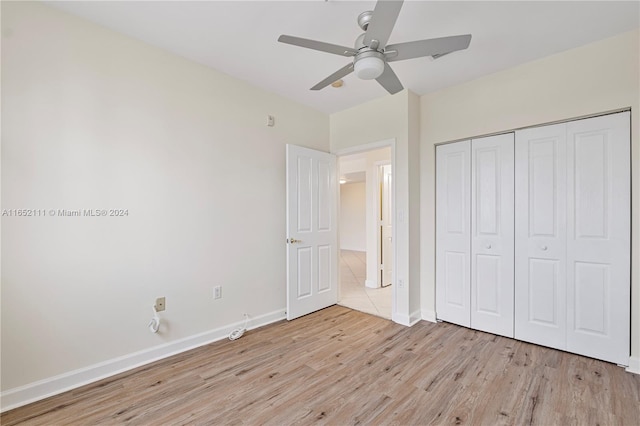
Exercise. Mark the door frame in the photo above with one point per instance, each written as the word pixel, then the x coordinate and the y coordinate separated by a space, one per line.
pixel 387 143
pixel 378 203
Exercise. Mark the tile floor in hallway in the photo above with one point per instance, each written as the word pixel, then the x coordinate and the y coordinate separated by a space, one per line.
pixel 354 294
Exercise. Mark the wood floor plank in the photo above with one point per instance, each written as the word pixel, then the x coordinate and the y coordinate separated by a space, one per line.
pixel 342 367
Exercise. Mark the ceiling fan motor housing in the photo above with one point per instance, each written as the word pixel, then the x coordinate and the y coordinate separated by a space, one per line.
pixel 364 18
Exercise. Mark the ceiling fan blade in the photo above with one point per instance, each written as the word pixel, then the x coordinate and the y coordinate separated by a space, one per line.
pixel 382 21
pixel 346 70
pixel 318 45
pixel 433 47
pixel 389 80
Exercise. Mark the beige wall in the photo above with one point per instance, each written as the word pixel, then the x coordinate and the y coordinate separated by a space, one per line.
pixel 595 78
pixel 381 119
pixel 385 118
pixel 353 216
pixel 96 120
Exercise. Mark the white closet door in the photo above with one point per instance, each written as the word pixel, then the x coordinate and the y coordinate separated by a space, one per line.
pixel 453 232
pixel 598 244
pixel 492 234
pixel 540 250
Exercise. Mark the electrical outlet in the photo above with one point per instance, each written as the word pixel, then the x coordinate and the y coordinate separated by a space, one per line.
pixel 217 292
pixel 160 304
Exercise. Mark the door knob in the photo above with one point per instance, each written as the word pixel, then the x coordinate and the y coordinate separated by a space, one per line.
pixel 488 246
pixel 543 248
pixel 293 241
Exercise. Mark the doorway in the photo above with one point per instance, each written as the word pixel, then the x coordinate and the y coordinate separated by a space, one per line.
pixel 366 232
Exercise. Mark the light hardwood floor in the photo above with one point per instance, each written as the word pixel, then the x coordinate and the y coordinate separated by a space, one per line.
pixel 340 366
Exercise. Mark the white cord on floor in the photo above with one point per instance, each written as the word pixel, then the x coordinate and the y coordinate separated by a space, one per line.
pixel 238 332
pixel 154 324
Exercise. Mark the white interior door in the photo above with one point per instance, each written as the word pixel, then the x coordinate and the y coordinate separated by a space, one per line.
pixel 540 251
pixel 453 232
pixel 492 242
pixel 386 225
pixel 598 243
pixel 312 237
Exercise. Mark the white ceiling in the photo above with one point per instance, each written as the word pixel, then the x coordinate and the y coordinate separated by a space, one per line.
pixel 240 38
pixel 354 177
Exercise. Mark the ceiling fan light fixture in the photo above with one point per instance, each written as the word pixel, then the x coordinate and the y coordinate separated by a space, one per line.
pixel 369 68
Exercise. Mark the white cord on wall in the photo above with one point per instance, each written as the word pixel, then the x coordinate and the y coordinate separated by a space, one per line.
pixel 154 324
pixel 238 332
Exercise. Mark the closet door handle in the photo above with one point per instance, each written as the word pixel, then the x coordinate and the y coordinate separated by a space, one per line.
pixel 488 246
pixel 543 248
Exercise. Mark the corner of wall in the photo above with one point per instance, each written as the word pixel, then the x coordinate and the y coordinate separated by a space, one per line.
pixel 415 223
pixel 429 315
pixel 634 365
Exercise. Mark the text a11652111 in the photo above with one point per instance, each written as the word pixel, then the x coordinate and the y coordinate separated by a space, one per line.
pixel 49 212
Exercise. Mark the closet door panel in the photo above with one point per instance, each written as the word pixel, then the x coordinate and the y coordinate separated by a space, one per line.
pixel 540 240
pixel 453 232
pixel 492 234
pixel 598 243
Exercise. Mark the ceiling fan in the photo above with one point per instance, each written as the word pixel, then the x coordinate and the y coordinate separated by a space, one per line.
pixel 371 53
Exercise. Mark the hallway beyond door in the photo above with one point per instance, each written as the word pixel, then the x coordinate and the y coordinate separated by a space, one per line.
pixel 354 294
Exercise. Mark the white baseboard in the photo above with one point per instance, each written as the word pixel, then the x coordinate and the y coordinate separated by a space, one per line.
pixel 36 391
pixel 634 365
pixel 407 320
pixel 352 248
pixel 429 315
pixel 415 317
pixel 370 284
pixel 401 319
